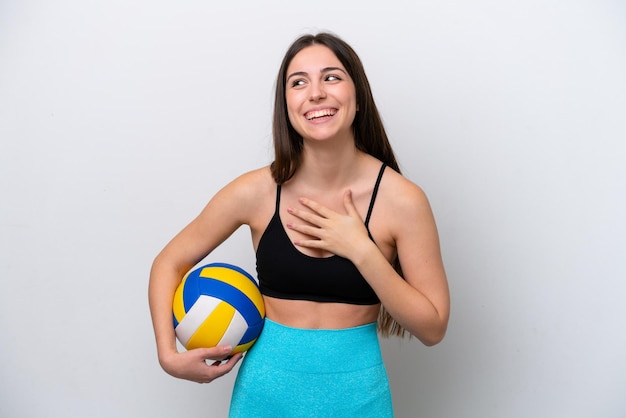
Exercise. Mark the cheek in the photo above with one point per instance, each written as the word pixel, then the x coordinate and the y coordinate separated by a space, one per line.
pixel 292 120
pixel 292 109
pixel 350 100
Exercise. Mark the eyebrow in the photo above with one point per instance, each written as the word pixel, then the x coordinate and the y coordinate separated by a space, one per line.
pixel 322 71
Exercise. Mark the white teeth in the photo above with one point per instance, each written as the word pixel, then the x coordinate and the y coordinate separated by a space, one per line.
pixel 320 113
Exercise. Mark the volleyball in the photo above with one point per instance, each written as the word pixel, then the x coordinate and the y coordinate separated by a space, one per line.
pixel 216 305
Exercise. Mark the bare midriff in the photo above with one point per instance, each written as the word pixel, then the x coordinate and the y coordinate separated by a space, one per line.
pixel 319 315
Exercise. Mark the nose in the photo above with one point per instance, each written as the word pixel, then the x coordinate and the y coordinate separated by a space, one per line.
pixel 317 92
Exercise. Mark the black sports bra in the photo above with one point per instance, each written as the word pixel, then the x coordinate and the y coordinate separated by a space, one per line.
pixel 284 272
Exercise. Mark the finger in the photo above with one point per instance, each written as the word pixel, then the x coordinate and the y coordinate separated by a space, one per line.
pixel 214 353
pixel 310 243
pixel 316 207
pixel 311 231
pixel 219 369
pixel 306 216
pixel 226 366
pixel 348 204
pixel 235 358
pixel 231 361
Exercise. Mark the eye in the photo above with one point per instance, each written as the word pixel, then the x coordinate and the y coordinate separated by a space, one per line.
pixel 333 77
pixel 298 82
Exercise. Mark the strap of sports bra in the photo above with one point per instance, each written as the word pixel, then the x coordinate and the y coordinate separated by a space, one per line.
pixel 369 210
pixel 374 193
pixel 277 197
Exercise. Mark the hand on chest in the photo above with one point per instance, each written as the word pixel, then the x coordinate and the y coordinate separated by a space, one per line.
pixel 317 216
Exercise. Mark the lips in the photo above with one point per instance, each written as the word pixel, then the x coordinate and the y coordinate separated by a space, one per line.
pixel 320 113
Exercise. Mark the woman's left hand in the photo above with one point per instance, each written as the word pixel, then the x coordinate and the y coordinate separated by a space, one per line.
pixel 341 234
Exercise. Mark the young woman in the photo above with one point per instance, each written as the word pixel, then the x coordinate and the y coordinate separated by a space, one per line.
pixel 344 244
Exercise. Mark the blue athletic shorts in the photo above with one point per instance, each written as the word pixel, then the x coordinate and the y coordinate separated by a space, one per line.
pixel 295 372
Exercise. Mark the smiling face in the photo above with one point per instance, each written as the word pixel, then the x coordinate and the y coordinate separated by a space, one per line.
pixel 320 95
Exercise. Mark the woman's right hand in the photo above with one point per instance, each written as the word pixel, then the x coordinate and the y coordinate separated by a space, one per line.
pixel 193 365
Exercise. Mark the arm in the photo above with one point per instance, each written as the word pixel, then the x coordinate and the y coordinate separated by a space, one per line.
pixel 226 211
pixel 420 300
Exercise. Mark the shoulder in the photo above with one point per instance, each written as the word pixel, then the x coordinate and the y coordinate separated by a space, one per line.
pixel 232 206
pixel 400 190
pixel 246 193
pixel 404 201
pixel 253 183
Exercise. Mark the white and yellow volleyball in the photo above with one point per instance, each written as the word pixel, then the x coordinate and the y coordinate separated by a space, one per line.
pixel 216 305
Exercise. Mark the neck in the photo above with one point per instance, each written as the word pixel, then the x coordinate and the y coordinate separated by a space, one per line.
pixel 329 165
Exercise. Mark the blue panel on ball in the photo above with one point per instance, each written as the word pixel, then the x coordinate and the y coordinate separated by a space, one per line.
pixel 191 291
pixel 253 331
pixel 231 295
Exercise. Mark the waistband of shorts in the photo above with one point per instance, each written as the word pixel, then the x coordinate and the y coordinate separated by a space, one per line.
pixel 321 350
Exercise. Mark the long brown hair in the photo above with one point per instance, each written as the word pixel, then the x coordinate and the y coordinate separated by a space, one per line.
pixel 369 133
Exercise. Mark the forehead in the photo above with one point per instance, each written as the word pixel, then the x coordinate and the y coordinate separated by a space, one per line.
pixel 314 58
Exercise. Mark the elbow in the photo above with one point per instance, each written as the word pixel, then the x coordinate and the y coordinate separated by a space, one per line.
pixel 435 333
pixel 429 342
pixel 434 337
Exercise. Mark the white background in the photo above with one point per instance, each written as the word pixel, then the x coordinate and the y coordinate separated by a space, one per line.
pixel 120 119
